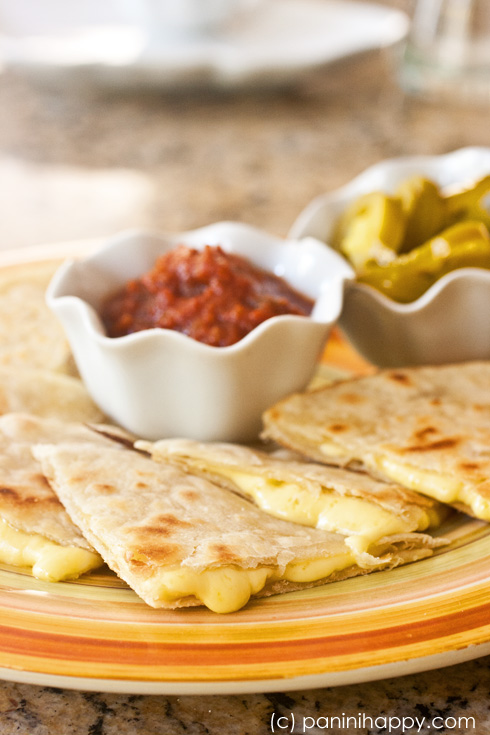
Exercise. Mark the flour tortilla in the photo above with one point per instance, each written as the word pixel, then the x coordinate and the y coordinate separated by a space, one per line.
pixel 46 394
pixel 144 517
pixel 30 334
pixel 37 371
pixel 225 464
pixel 27 502
pixel 433 419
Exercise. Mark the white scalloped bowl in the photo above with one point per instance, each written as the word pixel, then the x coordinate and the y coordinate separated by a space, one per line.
pixel 159 382
pixel 450 321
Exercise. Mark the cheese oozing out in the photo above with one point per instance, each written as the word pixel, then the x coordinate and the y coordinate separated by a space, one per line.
pixel 50 562
pixel 361 521
pixel 441 487
pixel 222 590
pixel 227 589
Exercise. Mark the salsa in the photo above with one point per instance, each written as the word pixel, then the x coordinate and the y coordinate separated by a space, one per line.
pixel 210 295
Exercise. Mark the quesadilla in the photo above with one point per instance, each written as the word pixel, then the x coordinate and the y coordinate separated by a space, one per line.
pixel 426 428
pixel 35 530
pixel 179 540
pixel 47 394
pixel 354 504
pixel 30 334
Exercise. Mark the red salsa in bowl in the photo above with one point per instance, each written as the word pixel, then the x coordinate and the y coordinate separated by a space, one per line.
pixel 211 295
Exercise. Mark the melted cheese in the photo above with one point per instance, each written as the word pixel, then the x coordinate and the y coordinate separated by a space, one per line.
pixel 50 562
pixel 441 487
pixel 361 521
pixel 222 590
pixel 229 588
pixel 330 449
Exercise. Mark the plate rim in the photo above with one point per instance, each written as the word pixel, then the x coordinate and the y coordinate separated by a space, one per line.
pixel 250 686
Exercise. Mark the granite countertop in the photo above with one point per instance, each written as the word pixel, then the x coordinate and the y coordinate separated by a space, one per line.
pixel 86 165
pixel 454 700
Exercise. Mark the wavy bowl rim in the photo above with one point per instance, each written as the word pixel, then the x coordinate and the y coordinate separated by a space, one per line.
pixel 385 166
pixel 161 336
pixel 467 275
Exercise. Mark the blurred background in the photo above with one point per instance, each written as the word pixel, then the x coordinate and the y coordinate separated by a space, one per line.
pixel 111 121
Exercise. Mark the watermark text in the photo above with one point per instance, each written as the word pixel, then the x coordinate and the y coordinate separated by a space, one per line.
pixel 291 723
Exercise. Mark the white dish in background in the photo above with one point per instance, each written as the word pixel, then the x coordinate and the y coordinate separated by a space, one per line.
pixel 185 17
pixel 104 44
pixel 449 322
pixel 159 382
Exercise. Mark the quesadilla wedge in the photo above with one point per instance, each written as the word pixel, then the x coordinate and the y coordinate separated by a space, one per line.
pixel 30 335
pixel 35 530
pixel 179 540
pixel 363 509
pixel 45 393
pixel 426 428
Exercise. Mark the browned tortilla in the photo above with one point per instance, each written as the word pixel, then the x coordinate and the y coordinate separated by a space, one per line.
pixel 27 501
pixel 143 516
pixel 30 335
pixel 213 459
pixel 431 418
pixel 47 394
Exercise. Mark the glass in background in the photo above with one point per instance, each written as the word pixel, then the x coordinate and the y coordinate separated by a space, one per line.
pixel 448 50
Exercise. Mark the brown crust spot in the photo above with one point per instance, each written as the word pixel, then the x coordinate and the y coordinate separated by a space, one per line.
pixel 224 553
pixel 154 531
pixel 191 495
pixel 449 443
pixel 9 492
pixel 136 563
pixel 155 554
pixel 351 398
pixel 104 489
pixel 161 526
pixel 469 466
pixel 399 377
pixel 168 520
pixel 423 434
pixel 337 428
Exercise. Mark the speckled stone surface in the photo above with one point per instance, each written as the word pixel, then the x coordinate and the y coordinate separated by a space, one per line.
pixel 456 700
pixel 75 166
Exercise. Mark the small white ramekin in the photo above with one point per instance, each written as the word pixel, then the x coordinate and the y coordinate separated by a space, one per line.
pixel 450 321
pixel 158 382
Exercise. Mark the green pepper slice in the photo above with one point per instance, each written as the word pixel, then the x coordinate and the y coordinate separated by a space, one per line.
pixel 466 244
pixel 371 229
pixel 425 211
pixel 472 203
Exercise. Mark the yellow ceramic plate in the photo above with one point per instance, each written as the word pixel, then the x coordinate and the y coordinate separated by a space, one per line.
pixel 97 634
